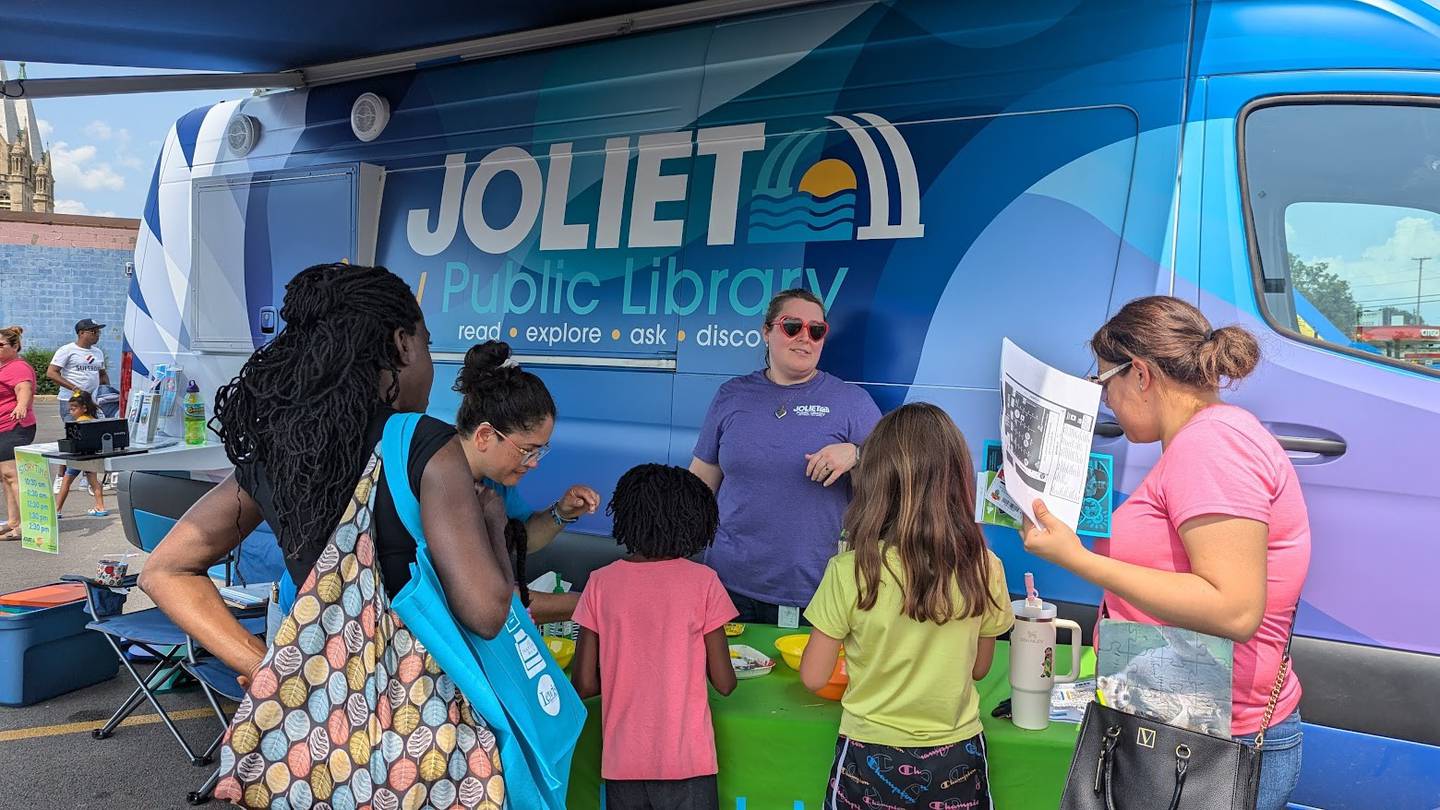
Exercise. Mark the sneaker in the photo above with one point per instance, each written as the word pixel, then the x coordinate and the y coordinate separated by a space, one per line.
pixel 97 513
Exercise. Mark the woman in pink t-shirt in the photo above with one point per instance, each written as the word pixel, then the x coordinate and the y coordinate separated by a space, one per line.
pixel 1216 538
pixel 17 421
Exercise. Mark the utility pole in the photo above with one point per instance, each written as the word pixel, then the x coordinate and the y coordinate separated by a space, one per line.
pixel 1419 276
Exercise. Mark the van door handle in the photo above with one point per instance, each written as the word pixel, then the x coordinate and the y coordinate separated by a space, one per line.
pixel 1109 430
pixel 1307 444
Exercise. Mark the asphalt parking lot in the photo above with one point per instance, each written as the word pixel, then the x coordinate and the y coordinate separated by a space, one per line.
pixel 48 758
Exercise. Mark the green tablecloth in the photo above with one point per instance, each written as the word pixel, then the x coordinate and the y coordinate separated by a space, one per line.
pixel 776 741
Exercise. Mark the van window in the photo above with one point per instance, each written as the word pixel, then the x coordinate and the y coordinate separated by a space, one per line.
pixel 1343 201
pixel 1358 271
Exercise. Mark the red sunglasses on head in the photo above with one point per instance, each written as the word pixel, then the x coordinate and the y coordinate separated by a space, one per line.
pixel 792 326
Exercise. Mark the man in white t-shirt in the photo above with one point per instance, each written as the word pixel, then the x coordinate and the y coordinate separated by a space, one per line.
pixel 79 366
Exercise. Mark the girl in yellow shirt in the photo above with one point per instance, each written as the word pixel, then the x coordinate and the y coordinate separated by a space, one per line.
pixel 917 602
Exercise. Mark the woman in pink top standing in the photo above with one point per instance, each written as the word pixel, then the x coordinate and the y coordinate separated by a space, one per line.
pixel 1216 537
pixel 17 422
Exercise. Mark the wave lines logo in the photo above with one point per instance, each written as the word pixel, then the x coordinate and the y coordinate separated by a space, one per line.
pixel 822 205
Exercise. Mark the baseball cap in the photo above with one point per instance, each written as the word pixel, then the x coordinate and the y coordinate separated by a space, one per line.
pixel 85 325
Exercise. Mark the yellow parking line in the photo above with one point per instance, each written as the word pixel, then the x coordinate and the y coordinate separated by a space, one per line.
pixel 75 728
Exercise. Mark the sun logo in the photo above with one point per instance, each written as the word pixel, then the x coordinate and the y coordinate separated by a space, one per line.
pixel 822 205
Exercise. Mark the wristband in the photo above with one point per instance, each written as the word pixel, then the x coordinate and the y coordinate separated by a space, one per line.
pixel 560 520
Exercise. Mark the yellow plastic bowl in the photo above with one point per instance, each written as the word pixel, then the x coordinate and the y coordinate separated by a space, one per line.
pixel 562 648
pixel 791 648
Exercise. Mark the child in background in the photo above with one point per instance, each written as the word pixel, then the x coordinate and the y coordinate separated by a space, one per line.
pixel 82 409
pixel 651 632
pixel 917 600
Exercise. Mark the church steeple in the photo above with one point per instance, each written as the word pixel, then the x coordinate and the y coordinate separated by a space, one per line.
pixel 44 186
pixel 9 115
pixel 26 181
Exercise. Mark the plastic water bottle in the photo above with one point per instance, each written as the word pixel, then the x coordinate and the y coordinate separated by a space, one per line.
pixel 194 415
pixel 564 629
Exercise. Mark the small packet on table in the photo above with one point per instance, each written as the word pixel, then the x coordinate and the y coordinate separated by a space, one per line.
pixel 550 582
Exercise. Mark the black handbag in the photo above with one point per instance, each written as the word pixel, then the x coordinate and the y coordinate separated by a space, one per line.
pixel 1125 762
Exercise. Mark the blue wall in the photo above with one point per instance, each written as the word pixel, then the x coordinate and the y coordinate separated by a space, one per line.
pixel 47 289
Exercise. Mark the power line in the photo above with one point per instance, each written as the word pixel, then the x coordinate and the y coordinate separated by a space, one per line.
pixel 1380 283
pixel 1407 299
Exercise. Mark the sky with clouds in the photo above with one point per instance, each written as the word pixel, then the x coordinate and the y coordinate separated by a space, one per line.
pixel 1375 248
pixel 103 148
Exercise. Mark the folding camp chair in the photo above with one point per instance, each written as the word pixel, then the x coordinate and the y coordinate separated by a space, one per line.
pixel 151 631
pixel 217 680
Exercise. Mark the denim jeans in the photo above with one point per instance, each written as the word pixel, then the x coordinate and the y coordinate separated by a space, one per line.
pixel 753 610
pixel 1279 762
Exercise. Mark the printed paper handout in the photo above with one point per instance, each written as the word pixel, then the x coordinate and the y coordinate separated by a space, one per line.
pixel 995 506
pixel 1047 420
pixel 1068 701
pixel 1175 676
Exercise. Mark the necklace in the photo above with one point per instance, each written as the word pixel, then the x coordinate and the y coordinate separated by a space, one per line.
pixel 785 406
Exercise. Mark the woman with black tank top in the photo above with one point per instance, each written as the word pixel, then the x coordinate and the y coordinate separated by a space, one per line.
pixel 301 423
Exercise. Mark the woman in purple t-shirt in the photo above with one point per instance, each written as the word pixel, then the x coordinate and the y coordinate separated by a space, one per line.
pixel 775 447
pixel 1216 538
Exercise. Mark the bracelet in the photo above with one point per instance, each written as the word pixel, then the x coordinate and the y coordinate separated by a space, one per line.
pixel 857 454
pixel 560 520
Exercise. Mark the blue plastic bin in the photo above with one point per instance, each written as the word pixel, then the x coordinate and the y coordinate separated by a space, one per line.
pixel 47 652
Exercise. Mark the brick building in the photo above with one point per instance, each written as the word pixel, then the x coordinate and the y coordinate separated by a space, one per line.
pixel 57 268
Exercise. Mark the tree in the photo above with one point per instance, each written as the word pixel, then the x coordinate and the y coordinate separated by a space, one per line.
pixel 1327 291
pixel 39 359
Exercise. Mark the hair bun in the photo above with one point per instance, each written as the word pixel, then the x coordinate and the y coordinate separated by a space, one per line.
pixel 1231 354
pixel 487 356
pixel 481 363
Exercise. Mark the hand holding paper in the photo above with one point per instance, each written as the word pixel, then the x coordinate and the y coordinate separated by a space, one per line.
pixel 1050 539
pixel 1047 421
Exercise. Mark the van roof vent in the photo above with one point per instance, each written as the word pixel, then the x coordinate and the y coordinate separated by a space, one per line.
pixel 368 116
pixel 242 133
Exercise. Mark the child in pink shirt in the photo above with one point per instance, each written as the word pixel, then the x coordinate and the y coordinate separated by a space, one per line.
pixel 651 632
